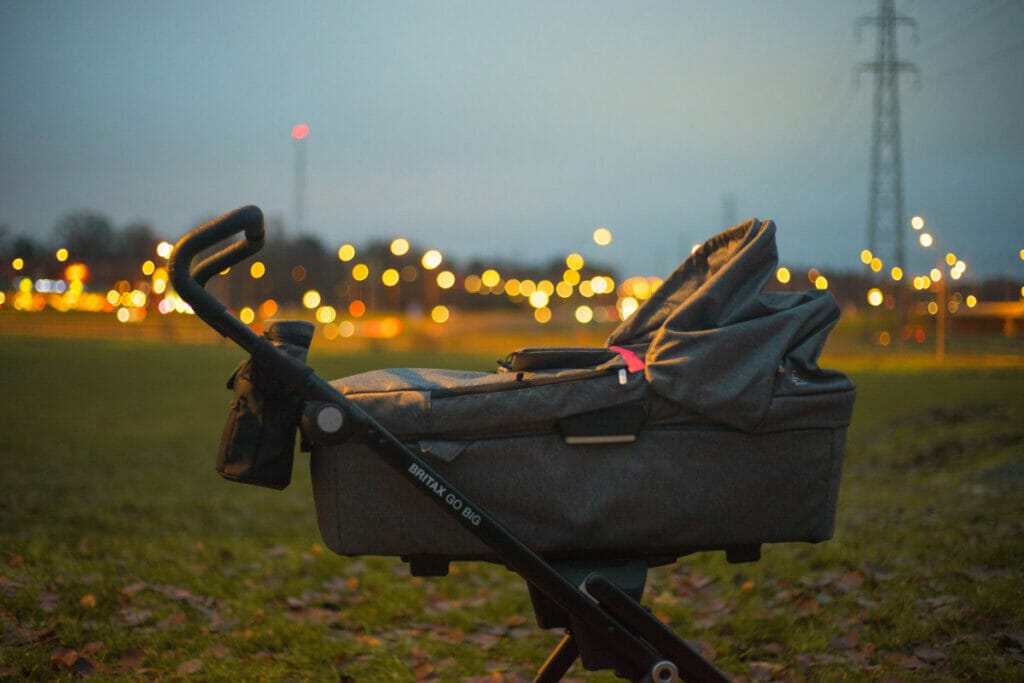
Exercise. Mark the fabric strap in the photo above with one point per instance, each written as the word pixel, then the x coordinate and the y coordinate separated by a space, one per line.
pixel 634 363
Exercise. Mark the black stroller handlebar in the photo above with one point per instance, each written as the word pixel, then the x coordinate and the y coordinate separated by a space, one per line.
pixel 189 280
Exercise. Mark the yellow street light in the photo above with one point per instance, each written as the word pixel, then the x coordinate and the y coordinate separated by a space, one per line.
pixel 440 314
pixel 917 222
pixel 400 246
pixel 584 314
pixel 446 279
pixel 431 259
pixel 490 278
pixel 311 299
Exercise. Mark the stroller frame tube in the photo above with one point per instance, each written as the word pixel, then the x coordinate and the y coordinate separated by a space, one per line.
pixel 639 642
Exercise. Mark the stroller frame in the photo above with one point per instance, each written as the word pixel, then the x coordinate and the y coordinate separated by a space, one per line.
pixel 596 602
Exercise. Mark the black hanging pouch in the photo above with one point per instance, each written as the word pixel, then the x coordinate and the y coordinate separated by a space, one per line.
pixel 258 443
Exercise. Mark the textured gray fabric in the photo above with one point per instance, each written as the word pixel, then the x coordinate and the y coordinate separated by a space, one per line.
pixel 423 402
pixel 717 345
pixel 673 491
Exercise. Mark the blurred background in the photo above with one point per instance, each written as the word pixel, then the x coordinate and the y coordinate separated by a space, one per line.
pixel 445 174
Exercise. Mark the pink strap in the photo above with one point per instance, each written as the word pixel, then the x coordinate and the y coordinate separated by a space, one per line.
pixel 634 363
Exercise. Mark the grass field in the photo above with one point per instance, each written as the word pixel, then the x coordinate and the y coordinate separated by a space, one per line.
pixel 124 556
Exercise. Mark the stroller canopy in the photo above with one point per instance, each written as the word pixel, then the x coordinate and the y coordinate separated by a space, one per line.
pixel 716 344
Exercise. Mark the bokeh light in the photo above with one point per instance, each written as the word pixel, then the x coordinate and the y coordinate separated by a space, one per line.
pixel 603 237
pixel 326 314
pixel 311 299
pixel 268 308
pixel 400 246
pixel 490 278
pixel 446 279
pixel 440 314
pixel 346 253
pixel 783 275
pixel 431 259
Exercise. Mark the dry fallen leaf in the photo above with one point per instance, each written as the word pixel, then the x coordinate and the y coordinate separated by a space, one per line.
pixel 190 667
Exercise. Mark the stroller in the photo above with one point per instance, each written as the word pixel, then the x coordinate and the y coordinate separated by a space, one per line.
pixel 703 424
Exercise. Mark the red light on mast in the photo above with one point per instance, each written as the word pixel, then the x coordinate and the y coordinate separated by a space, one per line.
pixel 300 131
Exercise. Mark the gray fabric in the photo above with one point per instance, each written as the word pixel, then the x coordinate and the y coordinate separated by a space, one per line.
pixel 717 345
pixel 423 402
pixel 674 491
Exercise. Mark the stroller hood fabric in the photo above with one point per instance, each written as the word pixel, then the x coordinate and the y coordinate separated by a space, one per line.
pixel 716 344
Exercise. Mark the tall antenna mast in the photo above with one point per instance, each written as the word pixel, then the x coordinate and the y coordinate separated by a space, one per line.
pixel 885 214
pixel 299 134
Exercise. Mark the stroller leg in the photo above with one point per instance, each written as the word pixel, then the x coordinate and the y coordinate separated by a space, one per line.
pixel 559 662
pixel 693 668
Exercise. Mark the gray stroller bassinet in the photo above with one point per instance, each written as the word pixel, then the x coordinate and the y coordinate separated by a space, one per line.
pixel 705 423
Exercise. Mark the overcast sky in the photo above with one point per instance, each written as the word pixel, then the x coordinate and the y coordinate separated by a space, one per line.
pixel 514 128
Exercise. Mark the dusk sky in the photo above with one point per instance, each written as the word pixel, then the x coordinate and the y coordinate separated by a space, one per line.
pixel 514 129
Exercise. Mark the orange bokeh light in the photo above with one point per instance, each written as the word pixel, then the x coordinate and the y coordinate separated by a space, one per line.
pixel 76 271
pixel 300 131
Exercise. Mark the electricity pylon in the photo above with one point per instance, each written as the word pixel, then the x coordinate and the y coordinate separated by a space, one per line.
pixel 885 214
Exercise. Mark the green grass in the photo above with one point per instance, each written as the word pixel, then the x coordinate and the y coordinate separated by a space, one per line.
pixel 124 556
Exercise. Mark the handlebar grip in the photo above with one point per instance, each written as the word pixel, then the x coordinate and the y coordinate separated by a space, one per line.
pixel 188 280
